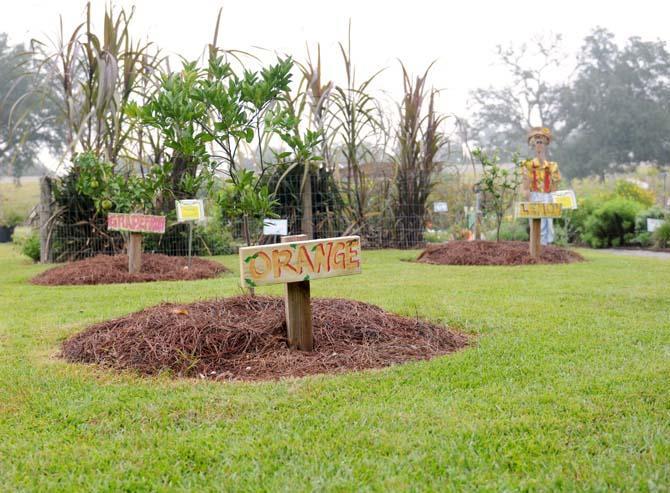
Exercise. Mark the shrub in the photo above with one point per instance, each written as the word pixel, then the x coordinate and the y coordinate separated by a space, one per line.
pixel 612 223
pixel 514 231
pixel 651 213
pixel 631 191
pixel 642 239
pixel 28 240
pixel 662 235
pixel 573 222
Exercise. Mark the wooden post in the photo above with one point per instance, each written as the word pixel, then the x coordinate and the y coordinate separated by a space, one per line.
pixel 306 224
pixel 134 253
pixel 535 234
pixel 44 217
pixel 298 309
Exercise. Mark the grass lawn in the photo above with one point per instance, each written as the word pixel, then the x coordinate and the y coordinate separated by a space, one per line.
pixel 567 388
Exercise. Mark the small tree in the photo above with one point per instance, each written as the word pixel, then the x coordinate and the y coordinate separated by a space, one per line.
pixel 499 185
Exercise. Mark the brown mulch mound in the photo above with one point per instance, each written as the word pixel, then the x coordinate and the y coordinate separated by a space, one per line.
pixel 244 338
pixel 107 269
pixel 494 253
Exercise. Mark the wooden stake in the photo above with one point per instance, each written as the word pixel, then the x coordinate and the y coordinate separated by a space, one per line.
pixel 45 216
pixel 535 234
pixel 135 253
pixel 298 309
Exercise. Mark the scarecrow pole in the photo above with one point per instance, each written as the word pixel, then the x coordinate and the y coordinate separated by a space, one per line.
pixel 535 235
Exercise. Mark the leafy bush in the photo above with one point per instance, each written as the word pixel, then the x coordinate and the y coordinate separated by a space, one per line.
pixel 642 239
pixel 573 221
pixel 213 239
pixel 514 231
pixel 612 223
pixel 651 213
pixel 28 241
pixel 662 235
pixel 560 234
pixel 631 191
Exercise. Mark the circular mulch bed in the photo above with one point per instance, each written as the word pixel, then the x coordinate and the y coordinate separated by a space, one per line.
pixel 244 338
pixel 494 253
pixel 107 269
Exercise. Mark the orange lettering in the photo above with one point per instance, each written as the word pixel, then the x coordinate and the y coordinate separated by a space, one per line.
pixel 322 257
pixel 352 255
pixel 282 258
pixel 253 268
pixel 339 258
pixel 304 260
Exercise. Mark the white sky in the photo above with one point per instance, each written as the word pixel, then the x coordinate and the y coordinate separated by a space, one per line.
pixel 461 36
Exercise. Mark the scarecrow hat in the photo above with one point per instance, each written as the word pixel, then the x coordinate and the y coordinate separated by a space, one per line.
pixel 539 131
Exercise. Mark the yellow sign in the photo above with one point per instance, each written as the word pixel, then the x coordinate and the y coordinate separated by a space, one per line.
pixel 190 210
pixel 566 198
pixel 533 210
pixel 300 261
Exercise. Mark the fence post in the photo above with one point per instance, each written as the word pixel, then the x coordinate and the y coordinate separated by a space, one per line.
pixel 45 212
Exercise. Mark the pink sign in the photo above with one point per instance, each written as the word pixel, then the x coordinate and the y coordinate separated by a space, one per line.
pixel 138 223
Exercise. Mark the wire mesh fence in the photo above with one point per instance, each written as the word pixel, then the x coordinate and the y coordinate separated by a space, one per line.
pixel 380 224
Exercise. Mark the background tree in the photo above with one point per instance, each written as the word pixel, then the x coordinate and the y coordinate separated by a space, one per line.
pixel 502 116
pixel 616 112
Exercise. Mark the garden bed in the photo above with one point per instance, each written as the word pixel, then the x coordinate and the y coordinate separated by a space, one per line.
pixel 494 253
pixel 244 338
pixel 108 269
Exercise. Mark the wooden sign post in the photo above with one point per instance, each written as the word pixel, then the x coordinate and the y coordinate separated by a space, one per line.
pixel 135 224
pixel 295 262
pixel 298 309
pixel 535 211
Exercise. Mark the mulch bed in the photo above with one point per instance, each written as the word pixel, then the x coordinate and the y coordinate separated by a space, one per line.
pixel 494 253
pixel 107 269
pixel 244 338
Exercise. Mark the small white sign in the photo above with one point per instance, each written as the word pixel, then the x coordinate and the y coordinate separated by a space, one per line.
pixel 440 207
pixel 192 210
pixel 654 224
pixel 275 227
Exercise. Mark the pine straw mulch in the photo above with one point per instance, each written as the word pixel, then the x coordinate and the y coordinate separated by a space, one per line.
pixel 494 253
pixel 108 269
pixel 244 338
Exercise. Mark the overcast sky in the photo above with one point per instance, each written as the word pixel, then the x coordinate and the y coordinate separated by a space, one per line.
pixel 460 35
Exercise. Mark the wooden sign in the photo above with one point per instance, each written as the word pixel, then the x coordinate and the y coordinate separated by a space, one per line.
pixel 534 210
pixel 566 198
pixel 136 223
pixel 192 210
pixel 300 261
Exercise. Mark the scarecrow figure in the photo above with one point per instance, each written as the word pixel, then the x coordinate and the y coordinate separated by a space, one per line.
pixel 541 177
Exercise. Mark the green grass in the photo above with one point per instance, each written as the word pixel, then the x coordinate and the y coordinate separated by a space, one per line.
pixel 567 388
pixel 19 200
